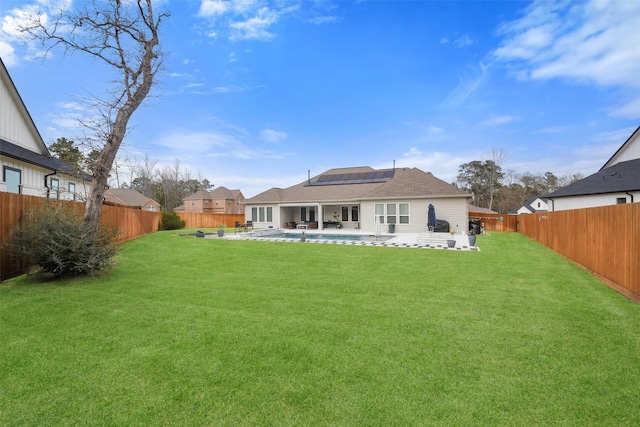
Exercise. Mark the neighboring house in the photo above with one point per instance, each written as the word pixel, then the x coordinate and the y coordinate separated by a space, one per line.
pixel 476 209
pixel 617 182
pixel 362 198
pixel 533 204
pixel 27 166
pixel 131 198
pixel 220 201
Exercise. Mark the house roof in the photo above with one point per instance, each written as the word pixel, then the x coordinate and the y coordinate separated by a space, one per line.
pixel 622 148
pixel 17 152
pixel 220 193
pixel 621 177
pixel 127 197
pixel 357 183
pixel 4 75
pixel 477 209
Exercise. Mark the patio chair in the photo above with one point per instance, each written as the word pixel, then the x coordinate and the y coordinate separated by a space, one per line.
pixel 248 224
pixel 238 225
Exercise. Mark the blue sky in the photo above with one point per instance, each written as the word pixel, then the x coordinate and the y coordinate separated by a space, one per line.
pixel 256 93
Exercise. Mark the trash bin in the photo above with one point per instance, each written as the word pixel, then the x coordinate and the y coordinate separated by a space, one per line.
pixel 392 228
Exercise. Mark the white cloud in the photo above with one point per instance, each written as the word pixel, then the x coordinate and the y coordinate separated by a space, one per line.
pixel 271 135
pixel 467 86
pixel 320 20
pixel 499 120
pixel 629 110
pixel 7 53
pixel 214 7
pixel 592 42
pixel 243 19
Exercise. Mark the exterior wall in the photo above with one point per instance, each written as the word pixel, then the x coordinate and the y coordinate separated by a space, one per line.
pixel 220 206
pixel 630 152
pixel 539 205
pixel 453 210
pixel 523 210
pixel 275 212
pixel 590 201
pixel 151 206
pixel 15 124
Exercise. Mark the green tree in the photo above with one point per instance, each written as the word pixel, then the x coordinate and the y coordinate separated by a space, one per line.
pixel 67 151
pixel 482 179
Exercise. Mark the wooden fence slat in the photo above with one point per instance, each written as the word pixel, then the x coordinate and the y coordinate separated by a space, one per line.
pixel 604 240
pixel 130 222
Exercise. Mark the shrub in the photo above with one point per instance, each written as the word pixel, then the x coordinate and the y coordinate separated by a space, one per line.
pixel 171 221
pixel 58 240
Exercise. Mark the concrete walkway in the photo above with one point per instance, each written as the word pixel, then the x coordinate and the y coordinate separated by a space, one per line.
pixel 425 240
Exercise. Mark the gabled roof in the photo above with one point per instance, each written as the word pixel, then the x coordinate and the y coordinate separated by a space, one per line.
pixel 14 151
pixel 634 138
pixel 621 177
pixel 127 197
pixel 220 193
pixel 22 108
pixel 395 183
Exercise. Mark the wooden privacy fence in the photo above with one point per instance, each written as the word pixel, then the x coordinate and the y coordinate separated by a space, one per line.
pixel 604 240
pixel 492 222
pixel 130 222
pixel 210 220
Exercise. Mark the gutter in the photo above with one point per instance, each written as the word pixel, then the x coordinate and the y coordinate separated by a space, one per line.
pixel 45 182
pixel 630 195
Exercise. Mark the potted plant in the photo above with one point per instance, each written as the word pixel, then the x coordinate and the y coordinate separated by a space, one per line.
pixel 339 225
pixel 472 236
pixel 221 228
pixel 451 242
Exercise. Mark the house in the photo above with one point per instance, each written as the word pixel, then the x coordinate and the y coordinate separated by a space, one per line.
pixel 362 198
pixel 617 182
pixel 26 164
pixel 533 204
pixel 131 198
pixel 220 201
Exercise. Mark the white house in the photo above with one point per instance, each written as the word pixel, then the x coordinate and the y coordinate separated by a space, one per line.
pixel 26 164
pixel 362 198
pixel 533 204
pixel 618 181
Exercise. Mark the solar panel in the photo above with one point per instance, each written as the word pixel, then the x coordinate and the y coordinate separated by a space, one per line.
pixel 354 178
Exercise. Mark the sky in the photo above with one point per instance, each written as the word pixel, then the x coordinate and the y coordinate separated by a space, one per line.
pixel 258 94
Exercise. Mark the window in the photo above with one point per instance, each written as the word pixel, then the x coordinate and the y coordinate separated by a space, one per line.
pixel 355 213
pixel 345 213
pixel 261 212
pixel 379 213
pixel 206 203
pixel 254 214
pixel 621 200
pixel 55 189
pixel 72 190
pixel 13 178
pixel 269 214
pixel 391 213
pixel 311 210
pixel 403 209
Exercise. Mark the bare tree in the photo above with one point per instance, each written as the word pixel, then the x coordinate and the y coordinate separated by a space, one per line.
pixel 124 36
pixel 498 156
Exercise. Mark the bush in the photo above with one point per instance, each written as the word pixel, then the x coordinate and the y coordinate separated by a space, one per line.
pixel 61 243
pixel 171 221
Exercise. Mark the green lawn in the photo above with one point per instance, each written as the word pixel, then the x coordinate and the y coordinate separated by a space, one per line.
pixel 194 332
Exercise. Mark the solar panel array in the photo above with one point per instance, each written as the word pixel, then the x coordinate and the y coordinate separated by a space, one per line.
pixel 354 178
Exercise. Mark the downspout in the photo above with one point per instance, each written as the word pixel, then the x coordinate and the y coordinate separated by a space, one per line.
pixel 630 195
pixel 553 205
pixel 45 182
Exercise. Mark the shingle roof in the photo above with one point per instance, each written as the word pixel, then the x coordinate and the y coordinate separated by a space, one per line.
pixel 20 153
pixel 126 197
pixel 621 177
pixel 406 183
pixel 219 193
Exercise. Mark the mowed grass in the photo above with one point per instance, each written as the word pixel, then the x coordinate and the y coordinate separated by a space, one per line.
pixel 194 332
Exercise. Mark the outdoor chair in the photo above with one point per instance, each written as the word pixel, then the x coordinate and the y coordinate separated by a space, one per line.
pixel 248 224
